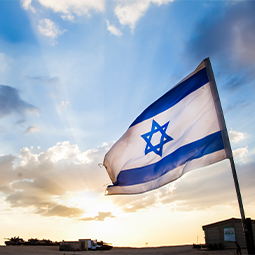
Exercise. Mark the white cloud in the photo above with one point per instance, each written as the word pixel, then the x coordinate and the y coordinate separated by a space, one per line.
pixel 67 17
pixel 32 129
pixel 62 151
pixel 65 151
pixel 6 170
pixel 113 29
pixel 130 12
pixel 79 7
pixel 26 4
pixel 49 29
pixel 62 106
pixel 50 181
pixel 240 153
pixel 236 136
pixel 27 156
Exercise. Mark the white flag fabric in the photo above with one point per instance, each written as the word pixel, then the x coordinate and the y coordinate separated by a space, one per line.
pixel 179 132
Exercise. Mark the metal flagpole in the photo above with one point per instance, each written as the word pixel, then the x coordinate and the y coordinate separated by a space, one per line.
pixel 227 146
pixel 247 234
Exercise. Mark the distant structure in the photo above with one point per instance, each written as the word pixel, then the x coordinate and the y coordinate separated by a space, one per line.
pixel 80 245
pixel 16 240
pixel 84 245
pixel 223 234
pixel 32 241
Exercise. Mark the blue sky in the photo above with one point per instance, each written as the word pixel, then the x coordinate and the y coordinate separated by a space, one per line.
pixel 75 74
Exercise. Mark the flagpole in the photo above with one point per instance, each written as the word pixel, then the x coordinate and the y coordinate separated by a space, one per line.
pixel 239 197
pixel 228 151
pixel 247 232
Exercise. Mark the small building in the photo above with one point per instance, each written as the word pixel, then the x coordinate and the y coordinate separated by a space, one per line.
pixel 223 234
pixel 86 244
pixel 80 245
pixel 70 246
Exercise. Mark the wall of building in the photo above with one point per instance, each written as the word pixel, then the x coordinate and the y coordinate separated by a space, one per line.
pixel 72 246
pixel 81 245
pixel 214 233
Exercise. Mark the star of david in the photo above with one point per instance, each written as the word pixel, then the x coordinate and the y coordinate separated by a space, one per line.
pixel 158 148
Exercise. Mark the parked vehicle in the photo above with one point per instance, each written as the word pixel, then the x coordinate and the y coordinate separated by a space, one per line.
pixel 14 241
pixel 32 241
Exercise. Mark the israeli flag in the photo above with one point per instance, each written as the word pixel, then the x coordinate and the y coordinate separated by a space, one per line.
pixel 181 131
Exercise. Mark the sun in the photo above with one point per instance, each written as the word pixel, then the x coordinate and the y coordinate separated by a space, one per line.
pixel 90 202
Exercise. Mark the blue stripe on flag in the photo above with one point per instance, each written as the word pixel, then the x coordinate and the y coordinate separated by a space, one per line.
pixel 195 150
pixel 173 96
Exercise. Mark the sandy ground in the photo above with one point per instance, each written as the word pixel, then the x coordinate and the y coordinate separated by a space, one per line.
pixel 54 250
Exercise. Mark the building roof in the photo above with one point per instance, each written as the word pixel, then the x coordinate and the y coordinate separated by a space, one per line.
pixel 223 222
